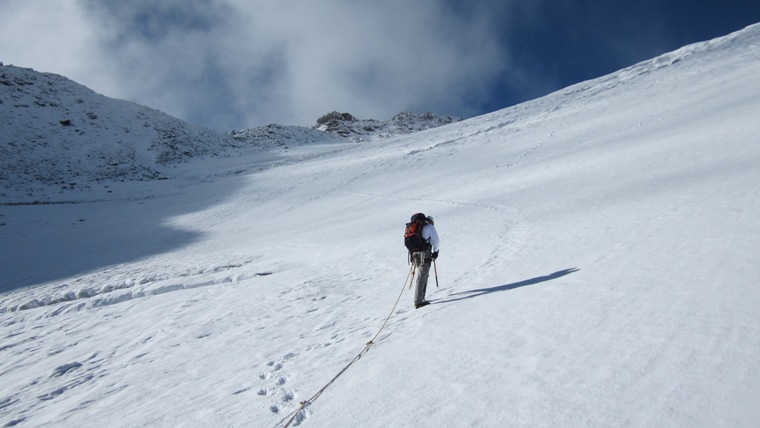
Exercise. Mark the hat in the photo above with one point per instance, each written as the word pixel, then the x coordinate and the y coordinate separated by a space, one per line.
pixel 430 219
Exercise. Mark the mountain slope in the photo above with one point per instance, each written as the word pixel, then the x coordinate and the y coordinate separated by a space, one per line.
pixel 347 126
pixel 59 134
pixel 598 268
pixel 62 141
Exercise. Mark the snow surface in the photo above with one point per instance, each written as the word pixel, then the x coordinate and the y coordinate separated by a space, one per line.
pixel 598 268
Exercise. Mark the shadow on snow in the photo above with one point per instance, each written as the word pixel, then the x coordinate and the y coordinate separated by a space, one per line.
pixel 469 294
pixel 52 242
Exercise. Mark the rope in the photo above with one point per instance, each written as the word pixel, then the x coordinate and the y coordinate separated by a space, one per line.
pixel 291 418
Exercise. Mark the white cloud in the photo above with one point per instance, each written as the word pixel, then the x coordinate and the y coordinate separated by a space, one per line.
pixel 236 63
pixel 50 36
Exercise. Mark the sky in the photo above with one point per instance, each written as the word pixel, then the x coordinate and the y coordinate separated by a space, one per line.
pixel 235 64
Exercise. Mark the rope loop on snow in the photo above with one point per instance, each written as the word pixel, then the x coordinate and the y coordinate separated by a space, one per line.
pixel 292 417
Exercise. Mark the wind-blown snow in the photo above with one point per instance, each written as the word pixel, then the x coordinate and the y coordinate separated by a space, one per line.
pixel 598 268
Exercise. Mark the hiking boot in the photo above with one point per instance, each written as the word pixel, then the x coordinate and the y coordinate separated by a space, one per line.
pixel 421 304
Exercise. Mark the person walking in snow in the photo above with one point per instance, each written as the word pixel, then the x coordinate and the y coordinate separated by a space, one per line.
pixel 423 257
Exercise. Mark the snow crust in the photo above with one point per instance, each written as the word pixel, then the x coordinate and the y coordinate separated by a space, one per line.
pixel 598 264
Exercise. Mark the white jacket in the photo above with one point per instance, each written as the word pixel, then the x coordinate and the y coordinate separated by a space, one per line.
pixel 430 235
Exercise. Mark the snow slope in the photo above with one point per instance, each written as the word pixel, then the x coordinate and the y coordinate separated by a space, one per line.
pixel 598 268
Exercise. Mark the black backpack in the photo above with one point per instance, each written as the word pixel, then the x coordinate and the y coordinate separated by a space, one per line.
pixel 413 234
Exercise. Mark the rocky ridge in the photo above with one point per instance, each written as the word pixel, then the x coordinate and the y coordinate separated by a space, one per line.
pixel 348 126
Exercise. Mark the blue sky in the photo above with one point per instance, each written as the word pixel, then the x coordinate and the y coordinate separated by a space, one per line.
pixel 233 64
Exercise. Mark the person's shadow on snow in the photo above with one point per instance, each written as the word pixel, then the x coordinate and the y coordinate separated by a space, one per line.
pixel 469 294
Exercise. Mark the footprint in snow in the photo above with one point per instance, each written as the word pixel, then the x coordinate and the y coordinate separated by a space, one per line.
pixel 275 382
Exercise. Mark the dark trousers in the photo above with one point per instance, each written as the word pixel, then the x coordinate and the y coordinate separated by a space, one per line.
pixel 421 261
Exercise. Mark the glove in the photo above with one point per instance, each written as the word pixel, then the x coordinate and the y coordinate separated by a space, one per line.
pixel 435 255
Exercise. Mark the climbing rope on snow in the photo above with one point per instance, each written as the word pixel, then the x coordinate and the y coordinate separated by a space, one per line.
pixel 292 417
pixel 411 273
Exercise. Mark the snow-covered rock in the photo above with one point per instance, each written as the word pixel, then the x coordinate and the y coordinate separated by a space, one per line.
pixel 348 126
pixel 281 136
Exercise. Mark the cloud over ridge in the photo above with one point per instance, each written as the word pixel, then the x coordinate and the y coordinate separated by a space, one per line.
pixel 233 64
